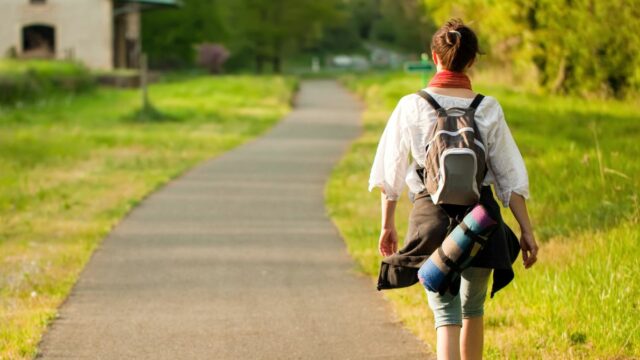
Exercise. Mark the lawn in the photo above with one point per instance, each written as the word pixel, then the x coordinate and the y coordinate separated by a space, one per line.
pixel 71 166
pixel 582 298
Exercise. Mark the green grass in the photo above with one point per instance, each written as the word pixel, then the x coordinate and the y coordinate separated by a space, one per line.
pixel 72 166
pixel 582 298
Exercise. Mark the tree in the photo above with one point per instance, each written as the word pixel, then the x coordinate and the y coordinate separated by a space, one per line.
pixel 169 35
pixel 572 46
pixel 269 29
pixel 264 32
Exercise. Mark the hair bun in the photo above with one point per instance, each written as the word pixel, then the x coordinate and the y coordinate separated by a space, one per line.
pixel 453 37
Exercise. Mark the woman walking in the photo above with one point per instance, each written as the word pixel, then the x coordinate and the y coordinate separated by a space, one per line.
pixel 400 156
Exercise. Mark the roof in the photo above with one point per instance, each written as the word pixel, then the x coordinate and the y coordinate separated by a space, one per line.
pixel 156 2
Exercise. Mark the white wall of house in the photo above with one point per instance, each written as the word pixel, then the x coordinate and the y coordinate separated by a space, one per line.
pixel 82 27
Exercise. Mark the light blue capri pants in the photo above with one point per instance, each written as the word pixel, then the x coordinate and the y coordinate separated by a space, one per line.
pixel 469 302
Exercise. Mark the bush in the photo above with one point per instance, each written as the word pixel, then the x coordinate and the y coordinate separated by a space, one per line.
pixel 212 57
pixel 28 80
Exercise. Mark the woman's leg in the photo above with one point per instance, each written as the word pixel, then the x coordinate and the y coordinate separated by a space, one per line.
pixel 448 342
pixel 473 291
pixel 472 338
pixel 447 314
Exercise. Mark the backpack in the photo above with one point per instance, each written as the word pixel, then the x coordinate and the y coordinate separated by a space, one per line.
pixel 455 164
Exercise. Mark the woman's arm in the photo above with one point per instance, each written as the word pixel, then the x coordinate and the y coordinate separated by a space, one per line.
pixel 388 243
pixel 389 170
pixel 391 161
pixel 511 181
pixel 528 244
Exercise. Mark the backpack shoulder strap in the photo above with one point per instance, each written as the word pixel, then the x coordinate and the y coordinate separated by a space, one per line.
pixel 476 101
pixel 425 95
pixel 474 105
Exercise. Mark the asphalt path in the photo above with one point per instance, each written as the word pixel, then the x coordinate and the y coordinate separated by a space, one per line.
pixel 237 259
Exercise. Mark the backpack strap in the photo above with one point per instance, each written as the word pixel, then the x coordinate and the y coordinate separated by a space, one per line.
pixel 476 101
pixel 474 105
pixel 447 260
pixel 473 236
pixel 425 95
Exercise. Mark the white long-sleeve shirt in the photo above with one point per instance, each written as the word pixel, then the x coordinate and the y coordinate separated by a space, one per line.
pixel 402 147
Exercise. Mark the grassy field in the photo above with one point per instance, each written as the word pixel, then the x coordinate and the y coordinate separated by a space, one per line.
pixel 72 166
pixel 582 298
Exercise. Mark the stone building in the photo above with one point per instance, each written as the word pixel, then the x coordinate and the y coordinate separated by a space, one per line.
pixel 103 34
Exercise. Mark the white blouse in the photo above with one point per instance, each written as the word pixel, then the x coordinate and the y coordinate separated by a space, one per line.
pixel 402 147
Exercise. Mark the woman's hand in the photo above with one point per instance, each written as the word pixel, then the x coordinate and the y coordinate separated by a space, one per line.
pixel 388 243
pixel 527 240
pixel 529 249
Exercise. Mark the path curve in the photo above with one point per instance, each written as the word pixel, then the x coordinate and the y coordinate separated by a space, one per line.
pixel 237 259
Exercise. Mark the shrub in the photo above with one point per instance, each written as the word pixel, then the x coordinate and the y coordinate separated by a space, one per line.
pixel 28 80
pixel 212 57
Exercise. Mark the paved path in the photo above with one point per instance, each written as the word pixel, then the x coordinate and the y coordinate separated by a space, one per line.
pixel 236 259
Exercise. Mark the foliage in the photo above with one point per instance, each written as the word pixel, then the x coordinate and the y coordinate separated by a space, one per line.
pixel 72 167
pixel 588 48
pixel 581 299
pixel 169 35
pixel 262 30
pixel 28 80
pixel 583 47
pixel 263 33
pixel 400 24
pixel 269 29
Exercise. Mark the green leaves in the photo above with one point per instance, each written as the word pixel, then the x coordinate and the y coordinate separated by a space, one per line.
pixel 582 47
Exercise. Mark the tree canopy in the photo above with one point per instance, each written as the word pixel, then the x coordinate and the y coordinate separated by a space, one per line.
pixel 260 32
pixel 566 46
pixel 570 46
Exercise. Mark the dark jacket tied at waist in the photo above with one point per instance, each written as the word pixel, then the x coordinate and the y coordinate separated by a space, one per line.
pixel 429 224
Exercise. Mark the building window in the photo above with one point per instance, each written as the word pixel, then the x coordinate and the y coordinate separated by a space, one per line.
pixel 37 2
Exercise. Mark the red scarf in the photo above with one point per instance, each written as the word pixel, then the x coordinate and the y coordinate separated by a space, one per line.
pixel 450 79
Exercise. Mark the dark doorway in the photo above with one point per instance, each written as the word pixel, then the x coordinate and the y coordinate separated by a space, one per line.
pixel 38 41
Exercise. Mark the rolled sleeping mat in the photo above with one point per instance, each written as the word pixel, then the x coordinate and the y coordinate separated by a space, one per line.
pixel 457 250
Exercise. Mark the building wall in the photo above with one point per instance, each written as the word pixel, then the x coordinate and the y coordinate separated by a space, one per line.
pixel 83 28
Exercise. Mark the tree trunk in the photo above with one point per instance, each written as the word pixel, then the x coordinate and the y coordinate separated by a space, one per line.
pixel 561 77
pixel 259 64
pixel 276 59
pixel 276 63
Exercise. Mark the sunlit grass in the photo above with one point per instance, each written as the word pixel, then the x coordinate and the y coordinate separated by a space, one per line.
pixel 45 67
pixel 582 298
pixel 71 167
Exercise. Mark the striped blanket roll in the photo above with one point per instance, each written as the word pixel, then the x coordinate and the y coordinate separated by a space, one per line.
pixel 457 250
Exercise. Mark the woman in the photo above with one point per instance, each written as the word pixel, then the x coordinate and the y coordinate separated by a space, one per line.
pixel 458 318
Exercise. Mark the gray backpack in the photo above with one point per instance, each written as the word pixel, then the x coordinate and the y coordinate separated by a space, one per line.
pixel 455 164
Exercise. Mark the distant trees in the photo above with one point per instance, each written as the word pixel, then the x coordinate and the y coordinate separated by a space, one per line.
pixel 572 46
pixel 270 29
pixel 262 33
pixel 566 46
pixel 170 36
